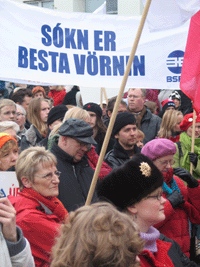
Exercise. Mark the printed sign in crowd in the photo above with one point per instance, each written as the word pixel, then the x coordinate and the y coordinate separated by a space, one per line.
pixel 9 183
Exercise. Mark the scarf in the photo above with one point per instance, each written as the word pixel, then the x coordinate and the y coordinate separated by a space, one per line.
pixel 52 203
pixel 51 141
pixel 150 237
pixel 186 142
pixel 168 177
pixel 140 116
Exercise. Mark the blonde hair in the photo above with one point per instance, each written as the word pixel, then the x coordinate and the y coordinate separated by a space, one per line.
pixel 140 134
pixel 169 120
pixel 75 112
pixel 28 161
pixel 6 102
pixel 33 115
pixel 97 235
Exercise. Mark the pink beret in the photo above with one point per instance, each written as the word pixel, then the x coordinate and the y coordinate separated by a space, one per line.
pixel 158 148
pixel 187 121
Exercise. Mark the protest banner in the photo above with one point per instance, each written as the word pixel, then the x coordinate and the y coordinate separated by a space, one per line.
pixel 89 50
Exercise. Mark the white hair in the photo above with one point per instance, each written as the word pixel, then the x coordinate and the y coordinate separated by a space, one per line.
pixel 4 125
pixel 21 108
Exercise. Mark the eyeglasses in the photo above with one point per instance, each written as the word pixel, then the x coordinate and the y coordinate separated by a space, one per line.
pixel 49 176
pixel 166 162
pixel 158 196
pixel 19 114
pixel 82 144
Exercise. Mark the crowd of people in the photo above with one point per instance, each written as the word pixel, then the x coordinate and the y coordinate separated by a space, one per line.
pixel 146 200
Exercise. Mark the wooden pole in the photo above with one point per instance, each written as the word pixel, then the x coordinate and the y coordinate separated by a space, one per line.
pixel 105 95
pixel 101 98
pixel 116 106
pixel 193 139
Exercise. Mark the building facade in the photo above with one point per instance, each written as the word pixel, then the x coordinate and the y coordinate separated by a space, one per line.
pixel 120 7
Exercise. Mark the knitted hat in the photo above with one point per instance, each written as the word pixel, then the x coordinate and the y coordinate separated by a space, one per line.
pixel 4 137
pixel 94 108
pixel 167 103
pixel 187 121
pixel 158 148
pixel 123 119
pixel 130 182
pixel 38 89
pixel 56 113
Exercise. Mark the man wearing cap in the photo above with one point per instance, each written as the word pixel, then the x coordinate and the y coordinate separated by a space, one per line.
pixel 125 133
pixel 147 122
pixel 76 174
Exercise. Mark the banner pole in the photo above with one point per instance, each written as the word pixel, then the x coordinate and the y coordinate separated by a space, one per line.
pixel 193 139
pixel 105 95
pixel 101 98
pixel 116 106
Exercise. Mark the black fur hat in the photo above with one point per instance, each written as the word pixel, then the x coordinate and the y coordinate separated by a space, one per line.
pixel 130 183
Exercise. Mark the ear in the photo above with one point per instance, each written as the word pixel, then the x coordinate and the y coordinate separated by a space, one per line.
pixel 117 136
pixel 109 113
pixel 132 209
pixel 26 182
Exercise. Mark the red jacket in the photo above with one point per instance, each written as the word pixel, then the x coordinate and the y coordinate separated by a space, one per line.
pixel 158 259
pixel 176 225
pixel 39 228
pixel 57 96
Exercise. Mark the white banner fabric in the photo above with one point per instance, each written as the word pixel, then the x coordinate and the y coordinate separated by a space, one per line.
pixel 9 183
pixel 43 46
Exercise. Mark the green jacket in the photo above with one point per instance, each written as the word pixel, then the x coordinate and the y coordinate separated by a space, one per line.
pixel 184 161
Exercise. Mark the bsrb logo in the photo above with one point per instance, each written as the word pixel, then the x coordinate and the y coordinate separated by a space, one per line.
pixel 175 61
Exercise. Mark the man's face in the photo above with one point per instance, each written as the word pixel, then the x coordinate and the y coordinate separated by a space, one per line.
pixel 127 136
pixel 25 103
pixel 135 100
pixel 75 148
pixel 8 113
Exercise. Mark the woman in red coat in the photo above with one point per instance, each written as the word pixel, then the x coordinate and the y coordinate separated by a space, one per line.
pixel 182 203
pixel 136 189
pixel 39 212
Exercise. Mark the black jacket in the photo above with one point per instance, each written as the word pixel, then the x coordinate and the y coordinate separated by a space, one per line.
pixel 178 258
pixel 118 156
pixel 75 179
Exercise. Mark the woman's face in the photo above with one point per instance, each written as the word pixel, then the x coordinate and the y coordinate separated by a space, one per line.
pixel 46 181
pixel 150 210
pixel 8 159
pixel 44 111
pixel 177 125
pixel 165 163
pixel 93 119
pixel 197 130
